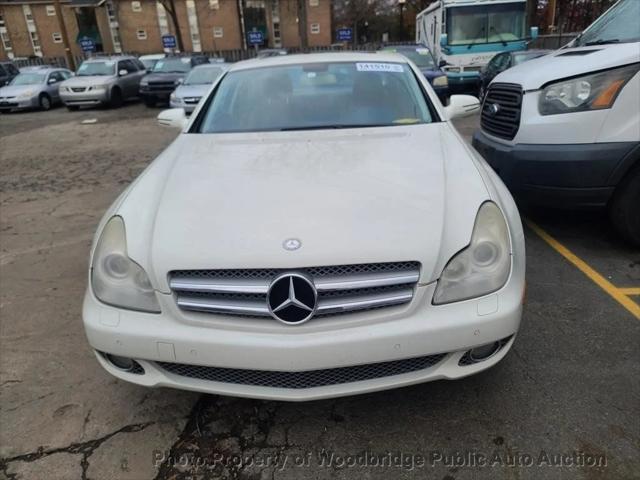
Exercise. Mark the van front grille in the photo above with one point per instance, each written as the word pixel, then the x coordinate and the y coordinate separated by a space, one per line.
pixel 501 110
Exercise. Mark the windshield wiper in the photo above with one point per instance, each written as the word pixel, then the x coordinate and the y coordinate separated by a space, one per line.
pixel 476 39
pixel 601 41
pixel 499 36
pixel 335 126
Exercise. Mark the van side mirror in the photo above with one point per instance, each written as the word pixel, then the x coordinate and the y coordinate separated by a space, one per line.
pixel 51 80
pixel 123 72
pixel 444 39
pixel 173 117
pixel 461 106
pixel 533 33
pixel 442 63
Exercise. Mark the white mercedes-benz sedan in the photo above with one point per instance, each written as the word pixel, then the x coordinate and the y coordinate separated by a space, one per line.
pixel 318 228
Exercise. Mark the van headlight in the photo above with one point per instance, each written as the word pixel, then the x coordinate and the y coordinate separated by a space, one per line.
pixel 588 92
pixel 441 81
pixel 482 267
pixel 115 278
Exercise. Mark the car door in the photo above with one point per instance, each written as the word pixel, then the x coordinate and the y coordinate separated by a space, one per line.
pixel 53 85
pixel 128 81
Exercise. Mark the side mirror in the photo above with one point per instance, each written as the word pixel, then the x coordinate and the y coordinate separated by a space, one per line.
pixel 442 63
pixel 51 80
pixel 461 106
pixel 180 81
pixel 174 117
pixel 533 33
pixel 123 72
pixel 444 39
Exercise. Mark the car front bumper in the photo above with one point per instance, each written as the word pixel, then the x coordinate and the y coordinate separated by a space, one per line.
pixel 188 108
pixel 19 103
pixel 413 330
pixel 558 175
pixel 93 97
pixel 156 94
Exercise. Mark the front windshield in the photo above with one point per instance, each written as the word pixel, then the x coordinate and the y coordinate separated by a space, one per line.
pixel 620 24
pixel 172 65
pixel 486 24
pixel 29 79
pixel 420 56
pixel 316 96
pixel 203 76
pixel 148 63
pixel 97 68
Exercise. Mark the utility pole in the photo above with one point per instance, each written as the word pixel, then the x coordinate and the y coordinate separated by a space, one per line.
pixel 71 63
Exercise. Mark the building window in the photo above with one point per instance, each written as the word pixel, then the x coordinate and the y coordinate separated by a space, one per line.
pixel 192 18
pixel 314 3
pixel 51 10
pixel 1 20
pixel 315 28
pixel 136 6
pixel 141 34
pixel 218 32
pixel 214 4
pixel 57 37
pixel 6 41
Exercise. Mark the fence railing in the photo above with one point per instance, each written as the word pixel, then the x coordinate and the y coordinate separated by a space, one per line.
pixel 551 42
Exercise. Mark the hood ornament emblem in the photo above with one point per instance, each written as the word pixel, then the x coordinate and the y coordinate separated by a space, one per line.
pixel 291 244
pixel 493 109
pixel 292 298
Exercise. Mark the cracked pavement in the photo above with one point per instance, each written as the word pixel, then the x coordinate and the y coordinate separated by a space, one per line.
pixel 570 384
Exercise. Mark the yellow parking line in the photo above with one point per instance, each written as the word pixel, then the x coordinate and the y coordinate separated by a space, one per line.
pixel 630 291
pixel 581 265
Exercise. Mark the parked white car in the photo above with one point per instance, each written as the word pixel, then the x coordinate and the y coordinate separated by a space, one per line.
pixel 563 130
pixel 319 228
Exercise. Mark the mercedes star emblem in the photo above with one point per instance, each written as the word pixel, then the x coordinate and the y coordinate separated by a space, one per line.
pixel 291 244
pixel 292 298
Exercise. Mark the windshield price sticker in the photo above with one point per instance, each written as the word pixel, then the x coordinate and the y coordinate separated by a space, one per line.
pixel 185 60
pixel 379 67
pixel 422 51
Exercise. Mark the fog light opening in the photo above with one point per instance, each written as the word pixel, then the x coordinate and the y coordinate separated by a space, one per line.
pixel 125 364
pixel 484 352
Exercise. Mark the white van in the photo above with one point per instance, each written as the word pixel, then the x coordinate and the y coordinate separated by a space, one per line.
pixel 563 130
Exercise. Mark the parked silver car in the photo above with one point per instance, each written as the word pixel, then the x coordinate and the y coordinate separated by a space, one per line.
pixel 103 81
pixel 35 88
pixel 195 85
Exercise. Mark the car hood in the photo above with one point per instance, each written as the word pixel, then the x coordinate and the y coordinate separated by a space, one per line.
pixel 568 62
pixel 15 90
pixel 192 90
pixel 353 196
pixel 162 77
pixel 88 81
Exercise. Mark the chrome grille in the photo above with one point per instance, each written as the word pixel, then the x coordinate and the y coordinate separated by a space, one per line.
pixel 506 121
pixel 78 89
pixel 341 289
pixel 305 379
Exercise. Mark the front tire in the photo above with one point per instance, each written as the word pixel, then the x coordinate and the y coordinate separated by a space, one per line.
pixel 116 98
pixel 45 102
pixel 624 209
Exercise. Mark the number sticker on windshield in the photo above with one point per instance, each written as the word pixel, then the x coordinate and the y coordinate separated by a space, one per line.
pixel 379 67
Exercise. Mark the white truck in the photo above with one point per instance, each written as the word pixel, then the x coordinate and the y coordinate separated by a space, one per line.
pixel 464 35
pixel 563 130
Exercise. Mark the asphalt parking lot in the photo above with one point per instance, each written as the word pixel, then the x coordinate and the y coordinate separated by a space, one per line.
pixel 565 402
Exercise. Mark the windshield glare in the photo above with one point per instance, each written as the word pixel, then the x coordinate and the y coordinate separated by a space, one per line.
pixel 97 68
pixel 420 56
pixel 173 65
pixel 316 96
pixel 29 79
pixel 203 76
pixel 485 24
pixel 620 24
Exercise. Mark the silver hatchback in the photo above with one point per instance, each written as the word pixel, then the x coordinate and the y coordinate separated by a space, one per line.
pixel 34 88
pixel 103 81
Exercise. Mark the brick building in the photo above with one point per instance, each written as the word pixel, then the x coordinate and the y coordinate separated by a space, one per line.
pixel 31 27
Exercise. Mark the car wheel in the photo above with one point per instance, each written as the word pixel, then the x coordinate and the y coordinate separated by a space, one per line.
pixel 72 108
pixel 149 102
pixel 116 98
pixel 45 102
pixel 623 209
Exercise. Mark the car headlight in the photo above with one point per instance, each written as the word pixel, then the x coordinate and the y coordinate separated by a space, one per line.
pixel 97 88
pixel 588 92
pixel 452 69
pixel 174 98
pixel 442 81
pixel 115 278
pixel 26 94
pixel 482 267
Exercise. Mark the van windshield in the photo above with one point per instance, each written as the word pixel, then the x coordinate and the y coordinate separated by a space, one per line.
pixel 620 24
pixel 478 24
pixel 316 96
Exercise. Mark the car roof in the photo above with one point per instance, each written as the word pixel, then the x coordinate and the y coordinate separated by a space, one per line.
pixel 212 65
pixel 112 58
pixel 152 56
pixel 41 69
pixel 325 57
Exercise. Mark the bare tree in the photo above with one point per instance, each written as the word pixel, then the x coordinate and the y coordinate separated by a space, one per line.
pixel 170 7
pixel 355 13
